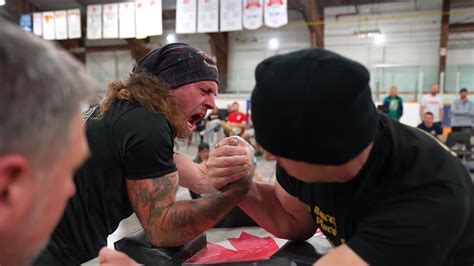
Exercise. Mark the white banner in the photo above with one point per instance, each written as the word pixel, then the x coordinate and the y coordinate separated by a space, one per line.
pixel 60 24
pixel 252 18
pixel 37 24
pixel 94 22
pixel 186 16
pixel 110 23
pixel 148 18
pixel 208 16
pixel 74 23
pixel 127 20
pixel 48 25
pixel 276 13
pixel 155 18
pixel 231 15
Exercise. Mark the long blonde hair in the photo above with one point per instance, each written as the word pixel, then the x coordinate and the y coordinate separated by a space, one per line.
pixel 151 93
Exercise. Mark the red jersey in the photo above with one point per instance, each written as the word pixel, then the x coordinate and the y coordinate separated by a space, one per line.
pixel 237 117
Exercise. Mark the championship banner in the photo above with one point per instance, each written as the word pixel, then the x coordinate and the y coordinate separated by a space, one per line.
pixel 148 18
pixel 276 13
pixel 60 24
pixel 94 22
pixel 208 16
pixel 186 16
pixel 231 15
pixel 48 25
pixel 74 23
pixel 37 24
pixel 155 18
pixel 252 18
pixel 110 23
pixel 127 20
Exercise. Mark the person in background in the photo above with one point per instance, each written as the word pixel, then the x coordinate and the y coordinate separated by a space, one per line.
pixel 429 126
pixel 462 112
pixel 236 121
pixel 393 104
pixel 42 141
pixel 433 103
pixel 203 153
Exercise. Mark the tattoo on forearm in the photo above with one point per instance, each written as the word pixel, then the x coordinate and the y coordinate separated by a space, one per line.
pixel 167 222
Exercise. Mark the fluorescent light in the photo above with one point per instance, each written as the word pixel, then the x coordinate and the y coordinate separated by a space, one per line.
pixel 379 39
pixel 171 38
pixel 2 2
pixel 273 44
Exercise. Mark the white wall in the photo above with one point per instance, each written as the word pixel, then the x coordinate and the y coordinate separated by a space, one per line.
pixel 411 28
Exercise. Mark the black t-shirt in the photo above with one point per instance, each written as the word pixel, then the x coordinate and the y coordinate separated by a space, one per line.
pixel 411 204
pixel 433 130
pixel 128 142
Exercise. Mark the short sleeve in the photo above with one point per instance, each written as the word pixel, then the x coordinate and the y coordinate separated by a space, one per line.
pixel 419 227
pixel 146 143
pixel 287 182
pixel 423 101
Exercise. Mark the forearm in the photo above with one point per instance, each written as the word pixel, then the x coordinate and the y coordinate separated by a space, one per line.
pixel 262 204
pixel 184 220
pixel 192 175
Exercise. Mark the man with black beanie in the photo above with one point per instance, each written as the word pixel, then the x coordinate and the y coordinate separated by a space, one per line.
pixel 133 167
pixel 383 193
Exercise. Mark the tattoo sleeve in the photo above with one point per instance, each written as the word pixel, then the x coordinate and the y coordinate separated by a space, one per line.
pixel 169 223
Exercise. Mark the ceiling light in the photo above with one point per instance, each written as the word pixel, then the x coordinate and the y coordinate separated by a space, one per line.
pixel 171 38
pixel 273 44
pixel 379 39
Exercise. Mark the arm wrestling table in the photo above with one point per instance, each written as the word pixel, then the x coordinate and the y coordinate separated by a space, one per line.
pixel 291 253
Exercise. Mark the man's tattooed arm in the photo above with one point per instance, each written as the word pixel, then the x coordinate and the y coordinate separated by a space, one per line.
pixel 170 223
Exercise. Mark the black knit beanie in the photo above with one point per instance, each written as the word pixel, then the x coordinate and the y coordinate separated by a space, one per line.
pixel 313 106
pixel 178 64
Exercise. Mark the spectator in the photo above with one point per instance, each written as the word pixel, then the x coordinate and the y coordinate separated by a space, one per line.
pixel 429 126
pixel 433 103
pixel 236 121
pixel 213 122
pixel 393 104
pixel 203 153
pixel 42 141
pixel 462 112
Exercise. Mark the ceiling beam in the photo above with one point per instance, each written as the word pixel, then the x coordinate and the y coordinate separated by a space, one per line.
pixel 461 27
pixel 219 42
pixel 443 43
pixel 138 48
pixel 314 16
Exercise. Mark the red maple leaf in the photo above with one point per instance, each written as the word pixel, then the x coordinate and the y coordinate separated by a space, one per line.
pixel 248 248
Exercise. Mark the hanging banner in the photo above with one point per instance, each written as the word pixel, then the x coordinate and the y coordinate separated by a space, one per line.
pixel 127 20
pixel 141 19
pixel 26 22
pixel 276 13
pixel 186 16
pixel 148 18
pixel 48 25
pixel 74 24
pixel 60 24
pixel 110 23
pixel 208 16
pixel 252 18
pixel 94 22
pixel 231 15
pixel 37 24
pixel 155 18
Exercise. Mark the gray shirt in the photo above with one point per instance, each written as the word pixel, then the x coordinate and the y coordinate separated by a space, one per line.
pixel 462 113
